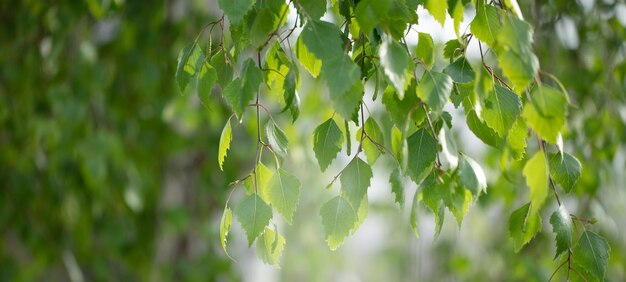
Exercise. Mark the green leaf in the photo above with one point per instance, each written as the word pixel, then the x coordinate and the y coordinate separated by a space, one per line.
pixel 536 174
pixel 338 218
pixel 413 216
pixel 233 94
pixel 562 226
pixel 327 141
pixel 270 246
pixel 486 24
pixel 342 78
pixel 223 69
pixel 227 219
pixel 241 91
pixel 399 110
pixel 225 138
pixel 254 215
pixel 546 112
pixel 323 39
pixel 520 68
pixel 457 14
pixel 292 101
pixel 482 131
pixel 355 179
pixel 264 24
pixel 263 176
pixel 361 214
pixel 437 8
pixel 206 81
pixel 434 88
pixel 591 255
pixel 515 33
pixel 277 138
pixel 311 63
pixel 500 109
pixel 190 61
pixel 516 139
pixel 432 194
pixel 422 154
pixel 372 152
pixel 523 226
pixel 565 170
pixel 369 13
pixel 425 49
pixel 399 146
pixel 471 175
pixel 284 193
pixel 236 9
pixel 453 48
pixel 460 71
pixel 315 9
pixel 397 187
pixel 396 62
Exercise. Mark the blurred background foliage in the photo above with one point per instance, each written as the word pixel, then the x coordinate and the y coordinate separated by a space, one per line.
pixel 108 173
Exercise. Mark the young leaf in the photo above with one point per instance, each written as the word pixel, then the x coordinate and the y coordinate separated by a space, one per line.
pixel 395 180
pixel 523 226
pixel 471 175
pixel 327 141
pixel 315 9
pixel 338 218
pixel 253 214
pixel 546 112
pixel 437 8
pixel 190 61
pixel 225 139
pixel 434 89
pixel 361 214
pixel 232 93
pixel 270 246
pixel 227 219
pixel 396 62
pixel 284 193
pixel 591 254
pixel 236 9
pixel 453 48
pixel 486 24
pixel 311 63
pixel 277 138
pixel 500 109
pixel 562 226
pixel 482 131
pixel 565 170
pixel 425 49
pixel 372 152
pixel 422 154
pixel 460 71
pixel 263 176
pixel 355 179
pixel 536 174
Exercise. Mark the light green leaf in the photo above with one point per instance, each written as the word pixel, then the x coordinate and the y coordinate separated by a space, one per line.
pixel 486 24
pixel 225 138
pixel 565 170
pixel 413 216
pixel 520 68
pixel 323 39
pixel 254 215
pixel 546 112
pixel 453 48
pixel 536 174
pixel 372 152
pixel 457 15
pixel 355 179
pixel 516 139
pixel 327 141
pixel 311 63
pixel 190 61
pixel 500 109
pixel 236 9
pixel 342 78
pixel 361 214
pixel 399 147
pixel 262 177
pixel 397 187
pixel 284 193
pixel 460 71
pixel 315 9
pixel 270 246
pixel 434 89
pixel 471 175
pixel 425 49
pixel 396 62
pixel 432 194
pixel 277 139
pixel 591 255
pixel 437 8
pixel 562 226
pixel 338 218
pixel 422 154
pixel 515 33
pixel 206 81
pixel 369 13
pixel 227 219
pixel 523 226
pixel 482 131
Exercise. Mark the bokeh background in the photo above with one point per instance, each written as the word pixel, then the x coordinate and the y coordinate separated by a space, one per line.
pixel 109 173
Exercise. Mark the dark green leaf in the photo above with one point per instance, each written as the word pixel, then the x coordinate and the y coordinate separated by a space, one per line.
pixel 422 154
pixel 523 226
pixel 460 71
